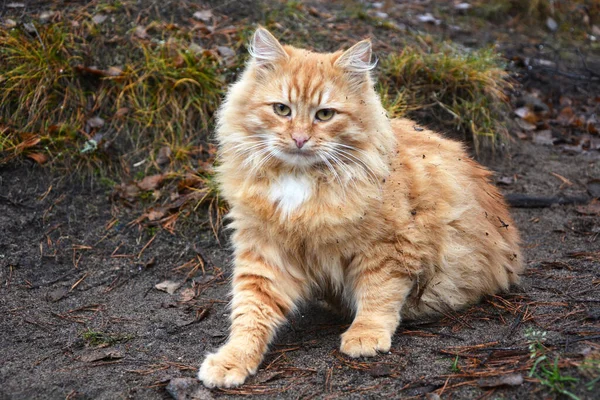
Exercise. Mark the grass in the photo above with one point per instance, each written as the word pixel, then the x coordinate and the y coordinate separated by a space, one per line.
pixel 98 338
pixel 453 88
pixel 101 101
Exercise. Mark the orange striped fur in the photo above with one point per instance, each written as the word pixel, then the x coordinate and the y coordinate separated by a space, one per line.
pixel 390 221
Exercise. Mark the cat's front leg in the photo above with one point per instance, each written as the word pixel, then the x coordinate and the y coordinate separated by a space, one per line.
pixel 380 286
pixel 262 296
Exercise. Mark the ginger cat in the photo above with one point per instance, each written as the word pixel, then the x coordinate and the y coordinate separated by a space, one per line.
pixel 330 196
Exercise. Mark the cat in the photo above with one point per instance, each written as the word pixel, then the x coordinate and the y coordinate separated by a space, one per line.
pixel 329 196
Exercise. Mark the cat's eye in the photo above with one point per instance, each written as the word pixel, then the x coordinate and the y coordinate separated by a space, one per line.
pixel 282 109
pixel 325 114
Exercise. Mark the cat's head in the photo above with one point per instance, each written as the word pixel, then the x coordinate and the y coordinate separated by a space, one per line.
pixel 299 109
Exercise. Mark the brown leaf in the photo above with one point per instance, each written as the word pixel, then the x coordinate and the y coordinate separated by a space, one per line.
pixel 589 209
pixel 504 380
pixel 566 116
pixel 156 214
pixel 164 155
pixel 38 157
pixel 121 112
pixel 187 295
pixel 150 182
pixel 140 32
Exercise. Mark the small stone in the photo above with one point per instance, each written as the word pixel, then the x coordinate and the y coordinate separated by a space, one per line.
pixel 551 24
pixel 204 15
pixel 47 15
pixel 99 18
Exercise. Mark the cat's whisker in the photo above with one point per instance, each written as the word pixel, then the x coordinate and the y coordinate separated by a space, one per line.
pixel 354 159
pixel 334 172
pixel 331 154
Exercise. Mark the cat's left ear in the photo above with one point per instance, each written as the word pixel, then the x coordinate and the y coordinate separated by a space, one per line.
pixel 357 58
pixel 265 49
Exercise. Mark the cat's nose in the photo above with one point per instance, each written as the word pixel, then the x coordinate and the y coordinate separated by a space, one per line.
pixel 300 140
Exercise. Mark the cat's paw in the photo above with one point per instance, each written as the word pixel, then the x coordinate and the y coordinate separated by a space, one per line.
pixel 365 343
pixel 223 370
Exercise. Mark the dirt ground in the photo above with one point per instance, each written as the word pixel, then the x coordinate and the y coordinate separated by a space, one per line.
pixel 81 317
pixel 68 268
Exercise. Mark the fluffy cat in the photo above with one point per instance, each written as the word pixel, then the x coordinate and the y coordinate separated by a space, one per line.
pixel 330 196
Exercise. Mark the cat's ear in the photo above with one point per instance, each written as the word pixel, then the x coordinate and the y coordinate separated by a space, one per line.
pixel 357 59
pixel 265 49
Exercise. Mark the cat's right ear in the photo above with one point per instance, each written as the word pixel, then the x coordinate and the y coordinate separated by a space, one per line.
pixel 265 49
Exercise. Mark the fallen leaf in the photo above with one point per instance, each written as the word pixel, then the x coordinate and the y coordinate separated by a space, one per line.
pixel 526 114
pixel 164 155
pixel 121 112
pixel 9 23
pixel 140 32
pixel 99 355
pixel 150 182
pixel 543 138
pixel 504 380
pixel 38 157
pixel 99 18
pixel 95 122
pixel 187 295
pixel 156 214
pixel 566 116
pixel 593 208
pixel 114 71
pixel 57 294
pixel 204 15
pixel 526 126
pixel 46 15
pixel 168 286
pixel 225 51
pixel 196 49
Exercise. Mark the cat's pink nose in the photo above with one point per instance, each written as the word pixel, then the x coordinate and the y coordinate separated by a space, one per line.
pixel 300 140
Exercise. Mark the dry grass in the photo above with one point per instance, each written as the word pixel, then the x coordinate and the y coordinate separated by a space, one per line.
pixel 449 87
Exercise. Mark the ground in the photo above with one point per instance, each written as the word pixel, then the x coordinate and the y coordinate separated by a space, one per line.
pixel 82 317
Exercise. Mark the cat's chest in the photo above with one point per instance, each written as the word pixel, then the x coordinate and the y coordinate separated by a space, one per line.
pixel 289 192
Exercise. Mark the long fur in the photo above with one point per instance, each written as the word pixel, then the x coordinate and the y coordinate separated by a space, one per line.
pixel 391 221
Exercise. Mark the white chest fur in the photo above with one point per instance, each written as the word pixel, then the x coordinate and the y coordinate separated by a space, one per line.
pixel 289 192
